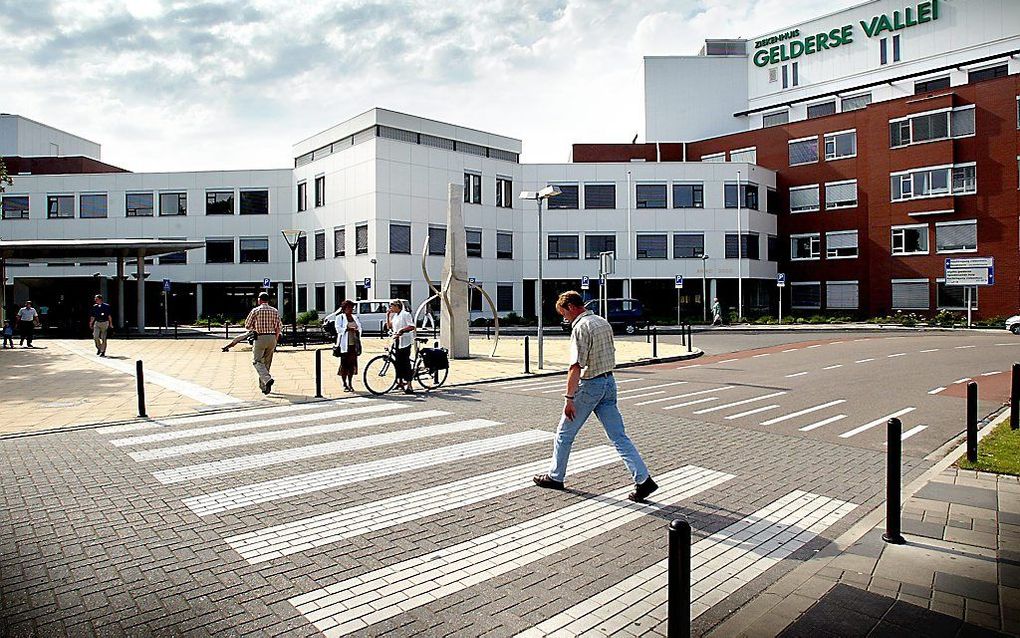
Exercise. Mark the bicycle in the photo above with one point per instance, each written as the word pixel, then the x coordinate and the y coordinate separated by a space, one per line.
pixel 380 375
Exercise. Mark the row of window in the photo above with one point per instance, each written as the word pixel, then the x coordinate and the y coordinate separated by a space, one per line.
pixel 932 126
pixel 907 294
pixel 912 239
pixel 836 146
pixel 656 246
pixel 839 244
pixel 660 196
pixel 842 194
pixel 398 290
pixel 171 204
pixel 936 181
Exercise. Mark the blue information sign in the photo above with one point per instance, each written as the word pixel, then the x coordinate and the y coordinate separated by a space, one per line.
pixel 166 285
pixel 368 283
pixel 266 283
pixel 679 282
pixel 585 282
pixel 781 280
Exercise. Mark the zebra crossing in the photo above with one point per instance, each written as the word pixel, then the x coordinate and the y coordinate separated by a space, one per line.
pixel 232 454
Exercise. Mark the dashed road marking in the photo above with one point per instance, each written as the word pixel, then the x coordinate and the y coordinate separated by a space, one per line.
pixel 696 365
pixel 654 387
pixel 990 374
pixel 963 347
pixel 641 396
pixel 791 350
pixel 876 422
pixel 764 354
pixel 817 345
pixel 963 380
pixel 727 361
pixel 687 403
pixel 796 374
pixel 930 350
pixel 794 415
pixel 911 432
pixel 838 365
pixel 863 360
pixel 560 385
pixel 741 415
pixel 936 390
pixel 736 403
pixel 822 423
pixel 898 354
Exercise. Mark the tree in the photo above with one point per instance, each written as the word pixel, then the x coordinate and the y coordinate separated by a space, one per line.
pixel 5 179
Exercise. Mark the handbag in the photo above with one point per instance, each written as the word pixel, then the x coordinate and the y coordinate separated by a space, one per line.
pixel 354 341
pixel 336 352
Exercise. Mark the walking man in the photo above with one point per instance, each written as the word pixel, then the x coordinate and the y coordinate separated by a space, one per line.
pixel 402 327
pixel 592 388
pixel 264 321
pixel 716 312
pixel 27 318
pixel 99 322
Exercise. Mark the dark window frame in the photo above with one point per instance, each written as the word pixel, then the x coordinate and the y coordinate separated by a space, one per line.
pixel 643 253
pixel 697 195
pixel 320 245
pixel 339 241
pixel 253 206
pixel 599 196
pixel 22 212
pixel 503 254
pixel 558 239
pixel 220 242
pixel 182 203
pixel 128 207
pixel 302 196
pixel 568 199
pixel 54 207
pixel 261 253
pixel 320 191
pixel 650 201
pixel 358 230
pixel 400 227
pixel 608 244
pixel 473 250
pixel 82 207
pixel 212 199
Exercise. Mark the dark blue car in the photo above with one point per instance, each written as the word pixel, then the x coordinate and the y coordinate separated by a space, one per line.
pixel 626 315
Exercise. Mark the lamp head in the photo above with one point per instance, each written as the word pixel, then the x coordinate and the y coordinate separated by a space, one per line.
pixel 291 236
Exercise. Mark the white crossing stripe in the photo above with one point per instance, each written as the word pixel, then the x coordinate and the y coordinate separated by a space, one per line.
pixel 696 365
pixel 641 396
pixel 863 360
pixel 834 343
pixel 689 394
pixel 727 361
pixel 963 347
pixel 898 354
pixel 332 527
pixel 741 415
pixel 794 415
pixel 720 565
pixel 245 414
pixel 174 435
pixel 374 596
pixel 817 345
pixel 523 382
pixel 290 433
pixel 541 386
pixel 796 374
pixel 582 381
pixel 736 403
pixel 266 491
pixel 963 380
pixel 930 350
pixel 876 422
pixel 791 350
pixel 989 374
pixel 764 354
pixel 838 365
pixel 654 387
pixel 265 459
pixel 822 423
pixel 687 403
pixel 911 432
pixel 936 390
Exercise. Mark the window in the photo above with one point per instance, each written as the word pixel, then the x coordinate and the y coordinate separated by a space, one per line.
pixel 320 191
pixel 786 77
pixel 804 151
pixel 437 240
pixel 910 294
pixel 219 251
pixel 964 179
pixel 929 127
pixel 400 291
pixel 504 192
pixel 651 195
pixel 138 204
pixel 60 206
pixel 855 103
pixel 714 158
pixel 841 244
pixel 883 51
pixel 320 297
pixel 772 248
pixel 504 297
pixel 821 110
pixel 472 188
pixel 562 246
pixel 841 295
pixel 302 296
pixel 652 247
pixel 474 243
pixel 92 206
pixel 840 194
pixel 302 248
pixel 320 244
pixel 775 119
pixel 955 297
pixel 840 145
pixel 600 196
pixel 255 202
pixel 999 71
pixel 956 236
pixel 688 245
pixel 961 122
pixel 749 155
pixel 302 196
pixel 400 239
pixel 771 201
pixel 361 239
pixel 173 204
pixel 504 245
pixel 896 48
pixel 806 295
pixel 934 182
pixel 804 198
pixel 748 246
pixel 174 258
pixel 795 68
pixel 749 200
pixel 927 86
pixel 910 240
pixel 803 247
pixel 219 202
pixel 339 294
pixel 254 250
pixel 566 200
pixel 689 195
pixel 474 299
pixel 339 242
pixel 15 206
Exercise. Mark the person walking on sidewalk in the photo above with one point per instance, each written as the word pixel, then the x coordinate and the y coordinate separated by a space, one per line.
pixel 264 321
pixel 402 326
pixel 27 319
pixel 8 334
pixel 716 312
pixel 592 388
pixel 348 343
pixel 99 322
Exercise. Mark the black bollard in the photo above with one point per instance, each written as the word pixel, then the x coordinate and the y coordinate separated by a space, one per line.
pixel 679 584
pixel 1014 399
pixel 318 374
pixel 892 483
pixel 527 356
pixel 140 382
pixel 648 333
pixel 690 338
pixel 655 343
pixel 304 341
pixel 488 331
pixel 972 419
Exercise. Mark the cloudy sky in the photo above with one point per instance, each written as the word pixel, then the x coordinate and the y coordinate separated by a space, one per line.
pixel 192 84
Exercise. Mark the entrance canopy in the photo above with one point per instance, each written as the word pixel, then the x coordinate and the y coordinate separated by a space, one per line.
pixel 91 249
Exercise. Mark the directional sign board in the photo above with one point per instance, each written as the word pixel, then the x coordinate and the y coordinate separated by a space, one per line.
pixel 970 271
pixel 678 282
pixel 781 280
pixel 166 285
pixel 266 283
pixel 585 282
pixel 368 283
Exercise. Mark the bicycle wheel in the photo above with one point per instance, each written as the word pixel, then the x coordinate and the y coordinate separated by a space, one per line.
pixel 380 375
pixel 428 379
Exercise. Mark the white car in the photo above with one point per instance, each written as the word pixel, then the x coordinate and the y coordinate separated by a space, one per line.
pixel 371 313
pixel 1013 324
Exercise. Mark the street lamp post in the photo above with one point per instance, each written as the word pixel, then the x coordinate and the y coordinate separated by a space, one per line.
pixel 539 197
pixel 293 236
pixel 740 259
pixel 375 279
pixel 704 288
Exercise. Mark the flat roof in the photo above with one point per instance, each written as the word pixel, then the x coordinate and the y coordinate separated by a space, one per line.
pixel 53 249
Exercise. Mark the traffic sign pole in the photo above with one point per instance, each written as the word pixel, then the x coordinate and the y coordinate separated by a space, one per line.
pixel 678 283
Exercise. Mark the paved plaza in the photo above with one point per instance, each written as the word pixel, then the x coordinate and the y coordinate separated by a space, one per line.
pixel 416 515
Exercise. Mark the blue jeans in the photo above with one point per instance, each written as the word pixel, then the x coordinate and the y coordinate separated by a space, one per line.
pixel 598 396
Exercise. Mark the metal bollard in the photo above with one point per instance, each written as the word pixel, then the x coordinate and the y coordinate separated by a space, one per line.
pixel 679 584
pixel 972 420
pixel 648 333
pixel 892 483
pixel 140 382
pixel 318 374
pixel 690 338
pixel 304 341
pixel 527 355
pixel 1014 399
pixel 655 343
pixel 488 332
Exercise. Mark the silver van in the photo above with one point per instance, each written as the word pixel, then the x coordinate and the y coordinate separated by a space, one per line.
pixel 370 312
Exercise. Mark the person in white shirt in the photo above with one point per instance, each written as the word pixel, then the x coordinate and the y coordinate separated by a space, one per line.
pixel 348 343
pixel 27 318
pixel 402 327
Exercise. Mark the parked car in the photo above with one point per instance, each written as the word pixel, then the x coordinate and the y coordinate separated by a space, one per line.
pixel 1013 324
pixel 627 315
pixel 370 312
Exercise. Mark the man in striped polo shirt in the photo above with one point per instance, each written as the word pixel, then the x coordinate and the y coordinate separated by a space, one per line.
pixel 264 321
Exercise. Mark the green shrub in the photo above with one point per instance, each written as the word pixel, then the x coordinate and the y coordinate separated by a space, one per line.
pixel 308 317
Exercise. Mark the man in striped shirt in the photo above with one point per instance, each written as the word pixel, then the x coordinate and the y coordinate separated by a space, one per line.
pixel 264 321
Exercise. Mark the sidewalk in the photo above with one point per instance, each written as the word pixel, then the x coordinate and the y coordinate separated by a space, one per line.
pixel 957 575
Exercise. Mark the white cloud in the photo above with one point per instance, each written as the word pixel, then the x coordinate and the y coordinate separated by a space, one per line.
pixel 207 84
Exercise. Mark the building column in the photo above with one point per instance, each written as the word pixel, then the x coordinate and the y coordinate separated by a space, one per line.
pixel 279 296
pixel 120 292
pixel 140 313
pixel 198 300
pixel 713 292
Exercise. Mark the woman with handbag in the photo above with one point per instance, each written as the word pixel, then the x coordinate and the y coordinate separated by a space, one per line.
pixel 348 344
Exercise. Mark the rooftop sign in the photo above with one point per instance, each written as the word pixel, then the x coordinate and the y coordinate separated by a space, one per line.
pixel 790 45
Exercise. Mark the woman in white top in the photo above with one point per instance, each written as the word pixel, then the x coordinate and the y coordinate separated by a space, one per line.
pixel 348 340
